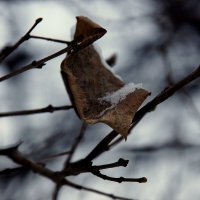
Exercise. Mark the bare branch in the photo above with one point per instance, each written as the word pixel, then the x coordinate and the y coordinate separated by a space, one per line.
pixel 55 156
pixel 50 39
pixel 74 46
pixel 120 163
pixel 10 171
pixel 164 95
pixel 36 64
pixel 80 187
pixel 49 109
pixel 170 80
pixel 17 157
pixel 76 143
pixel 9 49
pixel 56 192
pixel 120 179
pixel 102 146
pixel 20 169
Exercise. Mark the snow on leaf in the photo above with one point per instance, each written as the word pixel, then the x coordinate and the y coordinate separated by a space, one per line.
pixel 115 97
pixel 99 95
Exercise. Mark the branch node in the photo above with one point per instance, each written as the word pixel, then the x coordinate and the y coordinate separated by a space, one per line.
pixel 34 63
pixel 37 21
pixel 123 162
pixel 26 37
pixel 50 108
pixel 142 180
pixel 40 66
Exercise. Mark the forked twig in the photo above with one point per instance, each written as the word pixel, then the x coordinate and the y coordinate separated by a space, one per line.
pixel 8 50
pixel 80 187
pixel 13 153
pixel 36 64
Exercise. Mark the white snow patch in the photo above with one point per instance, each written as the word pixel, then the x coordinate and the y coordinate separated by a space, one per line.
pixel 115 97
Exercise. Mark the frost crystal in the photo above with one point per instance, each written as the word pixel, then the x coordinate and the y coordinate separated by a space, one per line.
pixel 115 97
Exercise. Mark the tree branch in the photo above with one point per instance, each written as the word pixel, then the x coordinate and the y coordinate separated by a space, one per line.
pixel 120 163
pixel 21 168
pixel 76 143
pixel 13 153
pixel 164 95
pixel 80 187
pixel 120 179
pixel 36 64
pixel 102 146
pixel 50 39
pixel 56 192
pixel 74 46
pixel 49 109
pixel 17 157
pixel 9 49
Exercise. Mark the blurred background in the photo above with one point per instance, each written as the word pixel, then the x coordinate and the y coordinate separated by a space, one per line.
pixel 156 43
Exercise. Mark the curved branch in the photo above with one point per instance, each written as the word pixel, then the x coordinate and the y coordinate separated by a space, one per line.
pixel 164 95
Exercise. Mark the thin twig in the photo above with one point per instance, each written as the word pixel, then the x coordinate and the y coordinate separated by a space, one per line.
pixel 102 146
pixel 54 156
pixel 8 50
pixel 120 163
pixel 120 179
pixel 74 45
pixel 80 187
pixel 56 192
pixel 18 158
pixel 165 94
pixel 76 143
pixel 49 109
pixel 36 64
pixel 50 39
pixel 20 169
pixel 191 104
pixel 177 145
pixel 170 80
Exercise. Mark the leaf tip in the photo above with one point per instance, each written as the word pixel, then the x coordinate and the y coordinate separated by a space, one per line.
pixel 86 28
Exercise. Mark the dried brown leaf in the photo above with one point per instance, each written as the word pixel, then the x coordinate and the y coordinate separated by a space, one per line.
pixel 87 31
pixel 88 81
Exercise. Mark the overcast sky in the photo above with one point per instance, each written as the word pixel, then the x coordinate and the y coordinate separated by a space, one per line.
pixel 172 173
